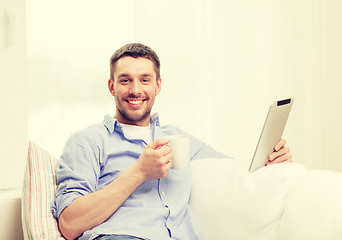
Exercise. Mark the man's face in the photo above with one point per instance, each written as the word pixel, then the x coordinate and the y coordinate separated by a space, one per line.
pixel 134 88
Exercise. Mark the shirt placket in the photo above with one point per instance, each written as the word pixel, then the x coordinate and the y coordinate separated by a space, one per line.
pixel 162 188
pixel 166 203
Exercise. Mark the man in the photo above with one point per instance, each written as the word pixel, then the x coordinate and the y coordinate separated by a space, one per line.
pixel 115 179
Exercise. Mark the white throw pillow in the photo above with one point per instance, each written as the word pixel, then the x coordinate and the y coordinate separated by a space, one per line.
pixel 228 202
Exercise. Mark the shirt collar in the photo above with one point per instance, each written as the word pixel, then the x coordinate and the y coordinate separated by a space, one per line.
pixel 112 124
pixel 154 120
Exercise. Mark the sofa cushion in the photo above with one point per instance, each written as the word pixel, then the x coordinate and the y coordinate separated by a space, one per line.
pixel 38 193
pixel 228 202
pixel 314 208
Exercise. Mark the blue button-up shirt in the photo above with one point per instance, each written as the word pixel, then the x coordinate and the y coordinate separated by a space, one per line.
pixel 157 209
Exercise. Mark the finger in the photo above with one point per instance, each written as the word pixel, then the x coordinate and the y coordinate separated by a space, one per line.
pixel 289 160
pixel 164 150
pixel 168 161
pixel 165 159
pixel 278 153
pixel 280 144
pixel 158 143
pixel 283 158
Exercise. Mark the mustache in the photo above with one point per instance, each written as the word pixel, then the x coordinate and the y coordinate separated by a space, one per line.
pixel 134 96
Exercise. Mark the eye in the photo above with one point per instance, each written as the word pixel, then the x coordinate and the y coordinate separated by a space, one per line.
pixel 145 80
pixel 124 81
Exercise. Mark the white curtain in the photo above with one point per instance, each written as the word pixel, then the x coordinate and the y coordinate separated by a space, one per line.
pixel 223 63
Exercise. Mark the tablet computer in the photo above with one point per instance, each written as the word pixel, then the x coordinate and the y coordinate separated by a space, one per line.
pixel 271 133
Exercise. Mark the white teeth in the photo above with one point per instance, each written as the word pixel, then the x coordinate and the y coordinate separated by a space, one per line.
pixel 135 102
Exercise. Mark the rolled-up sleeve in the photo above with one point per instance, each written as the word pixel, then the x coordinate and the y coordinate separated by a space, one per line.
pixel 200 150
pixel 204 150
pixel 77 173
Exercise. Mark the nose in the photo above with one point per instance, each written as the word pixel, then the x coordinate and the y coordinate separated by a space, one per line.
pixel 135 88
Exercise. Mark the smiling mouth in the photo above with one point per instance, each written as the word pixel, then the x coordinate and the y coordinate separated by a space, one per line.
pixel 136 103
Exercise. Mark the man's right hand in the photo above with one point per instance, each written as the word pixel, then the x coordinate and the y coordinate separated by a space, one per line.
pixel 155 161
pixel 90 210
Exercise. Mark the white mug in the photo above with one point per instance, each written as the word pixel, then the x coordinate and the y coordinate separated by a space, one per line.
pixel 180 150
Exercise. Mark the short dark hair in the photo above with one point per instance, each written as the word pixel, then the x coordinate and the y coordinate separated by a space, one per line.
pixel 135 50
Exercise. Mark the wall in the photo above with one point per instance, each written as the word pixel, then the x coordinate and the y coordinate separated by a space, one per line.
pixel 331 57
pixel 13 118
pixel 68 64
pixel 268 50
pixel 224 62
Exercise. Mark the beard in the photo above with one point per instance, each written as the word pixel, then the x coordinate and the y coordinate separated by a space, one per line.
pixel 133 119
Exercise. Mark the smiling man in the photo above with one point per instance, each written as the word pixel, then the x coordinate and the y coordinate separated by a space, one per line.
pixel 115 179
pixel 135 89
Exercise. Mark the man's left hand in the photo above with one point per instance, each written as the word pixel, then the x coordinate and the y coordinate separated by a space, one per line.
pixel 280 154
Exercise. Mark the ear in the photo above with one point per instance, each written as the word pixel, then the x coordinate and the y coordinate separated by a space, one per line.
pixel 111 87
pixel 159 84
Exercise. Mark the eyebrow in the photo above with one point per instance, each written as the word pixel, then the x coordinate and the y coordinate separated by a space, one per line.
pixel 146 75
pixel 121 75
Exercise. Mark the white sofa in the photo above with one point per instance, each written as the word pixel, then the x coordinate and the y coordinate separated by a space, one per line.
pixel 280 202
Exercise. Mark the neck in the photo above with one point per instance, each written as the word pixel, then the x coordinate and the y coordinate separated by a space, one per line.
pixel 141 122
